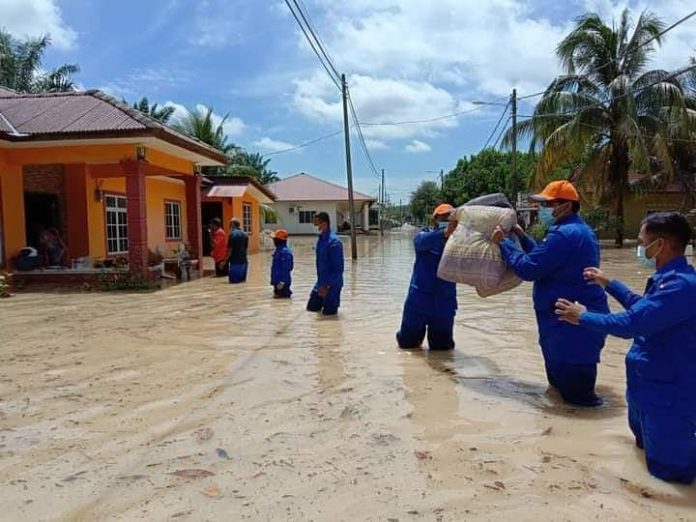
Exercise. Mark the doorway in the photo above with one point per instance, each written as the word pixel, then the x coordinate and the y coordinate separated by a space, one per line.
pixel 209 211
pixel 41 211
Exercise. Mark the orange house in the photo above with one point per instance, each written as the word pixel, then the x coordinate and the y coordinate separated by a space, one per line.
pixel 240 198
pixel 113 182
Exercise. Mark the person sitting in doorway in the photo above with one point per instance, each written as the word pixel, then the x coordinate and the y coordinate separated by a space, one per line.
pixel 53 248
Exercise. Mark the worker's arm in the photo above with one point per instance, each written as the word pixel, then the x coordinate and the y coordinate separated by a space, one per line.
pixel 622 293
pixel 542 260
pixel 527 242
pixel 669 305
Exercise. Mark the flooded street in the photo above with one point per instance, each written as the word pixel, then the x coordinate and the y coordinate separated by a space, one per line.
pixel 210 401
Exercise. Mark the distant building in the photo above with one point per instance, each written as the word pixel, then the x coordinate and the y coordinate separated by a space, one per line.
pixel 299 198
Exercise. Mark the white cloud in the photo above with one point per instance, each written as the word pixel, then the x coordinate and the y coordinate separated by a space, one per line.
pixel 376 145
pixel 146 81
pixel 270 145
pixel 383 101
pixel 232 126
pixel 31 18
pixel 217 23
pixel 417 147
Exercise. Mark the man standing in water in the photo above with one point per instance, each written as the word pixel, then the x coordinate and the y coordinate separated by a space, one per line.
pixel 326 294
pixel 432 302
pixel 237 244
pixel 218 248
pixel 556 266
pixel 661 364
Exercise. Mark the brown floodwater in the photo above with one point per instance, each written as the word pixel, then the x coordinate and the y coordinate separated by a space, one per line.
pixel 210 401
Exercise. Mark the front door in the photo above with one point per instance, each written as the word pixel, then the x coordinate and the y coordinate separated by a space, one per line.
pixel 41 212
pixel 209 211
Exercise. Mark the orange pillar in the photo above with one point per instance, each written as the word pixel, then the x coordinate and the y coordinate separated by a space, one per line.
pixel 194 218
pixel 134 171
pixel 76 194
pixel 14 232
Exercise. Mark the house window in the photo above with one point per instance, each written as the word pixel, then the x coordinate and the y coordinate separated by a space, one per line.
pixel 172 219
pixel 307 216
pixel 246 217
pixel 116 225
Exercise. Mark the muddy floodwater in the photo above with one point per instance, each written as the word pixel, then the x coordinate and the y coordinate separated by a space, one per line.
pixel 210 401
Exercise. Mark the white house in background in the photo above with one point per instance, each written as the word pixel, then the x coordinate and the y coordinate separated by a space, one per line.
pixel 300 197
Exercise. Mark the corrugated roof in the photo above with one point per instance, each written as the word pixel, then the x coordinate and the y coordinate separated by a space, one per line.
pixel 304 187
pixel 85 115
pixel 4 91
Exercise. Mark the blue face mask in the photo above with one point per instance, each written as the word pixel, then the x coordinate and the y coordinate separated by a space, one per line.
pixel 642 256
pixel 442 225
pixel 546 217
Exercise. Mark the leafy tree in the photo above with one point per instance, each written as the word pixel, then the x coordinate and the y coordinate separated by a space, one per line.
pixel 162 114
pixel 244 163
pixel 199 123
pixel 609 107
pixel 424 200
pixel 21 70
pixel 485 173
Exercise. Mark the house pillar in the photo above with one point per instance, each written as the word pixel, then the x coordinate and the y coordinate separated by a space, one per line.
pixel 366 217
pixel 134 171
pixel 14 236
pixel 76 194
pixel 194 221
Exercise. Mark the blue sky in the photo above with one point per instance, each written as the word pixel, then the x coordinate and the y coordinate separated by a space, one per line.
pixel 405 60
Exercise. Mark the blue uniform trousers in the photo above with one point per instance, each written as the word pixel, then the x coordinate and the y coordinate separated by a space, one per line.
pixel 417 320
pixel 238 272
pixel 668 436
pixel 575 382
pixel 327 305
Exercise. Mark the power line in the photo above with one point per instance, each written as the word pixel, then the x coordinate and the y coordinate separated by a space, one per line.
pixel 314 48
pixel 361 137
pixel 306 144
pixel 414 122
pixel 495 129
pixel 305 16
pixel 502 131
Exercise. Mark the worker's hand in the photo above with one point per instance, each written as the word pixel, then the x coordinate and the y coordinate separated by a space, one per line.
pixel 569 312
pixel 451 227
pixel 498 235
pixel 595 275
pixel 519 231
pixel 323 291
pixel 280 286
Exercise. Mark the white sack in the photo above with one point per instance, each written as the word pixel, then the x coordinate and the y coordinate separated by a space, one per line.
pixel 470 257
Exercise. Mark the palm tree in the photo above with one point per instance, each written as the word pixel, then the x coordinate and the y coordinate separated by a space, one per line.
pixel 252 164
pixel 199 123
pixel 20 67
pixel 609 110
pixel 162 114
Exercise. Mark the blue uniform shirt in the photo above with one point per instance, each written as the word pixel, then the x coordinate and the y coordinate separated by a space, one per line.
pixel 282 266
pixel 556 266
pixel 329 252
pixel 426 289
pixel 661 364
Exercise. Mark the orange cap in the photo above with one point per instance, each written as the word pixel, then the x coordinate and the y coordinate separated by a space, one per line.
pixel 558 190
pixel 281 234
pixel 443 209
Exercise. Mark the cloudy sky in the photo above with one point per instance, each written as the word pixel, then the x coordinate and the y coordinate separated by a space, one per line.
pixel 405 60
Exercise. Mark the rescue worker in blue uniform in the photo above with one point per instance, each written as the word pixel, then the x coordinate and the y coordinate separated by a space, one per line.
pixel 326 294
pixel 431 303
pixel 282 265
pixel 556 266
pixel 661 364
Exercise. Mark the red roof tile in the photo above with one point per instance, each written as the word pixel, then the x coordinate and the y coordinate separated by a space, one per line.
pixel 84 115
pixel 303 187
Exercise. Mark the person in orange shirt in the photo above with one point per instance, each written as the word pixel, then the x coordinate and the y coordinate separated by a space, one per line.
pixel 218 240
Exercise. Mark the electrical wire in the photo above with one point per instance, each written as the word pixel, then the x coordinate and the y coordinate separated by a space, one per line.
pixel 361 137
pixel 305 16
pixel 495 129
pixel 326 67
pixel 415 122
pixel 502 131
pixel 306 144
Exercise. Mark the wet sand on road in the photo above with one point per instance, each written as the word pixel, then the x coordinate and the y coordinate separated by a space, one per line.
pixel 210 401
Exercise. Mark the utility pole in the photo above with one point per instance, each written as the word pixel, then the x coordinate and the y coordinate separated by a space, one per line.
pixel 513 174
pixel 381 207
pixel 401 213
pixel 442 180
pixel 349 169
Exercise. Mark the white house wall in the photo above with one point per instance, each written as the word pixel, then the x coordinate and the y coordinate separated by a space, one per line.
pixel 290 221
